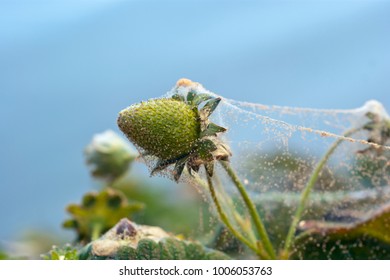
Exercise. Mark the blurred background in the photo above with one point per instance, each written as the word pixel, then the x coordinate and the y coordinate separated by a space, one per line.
pixel 68 67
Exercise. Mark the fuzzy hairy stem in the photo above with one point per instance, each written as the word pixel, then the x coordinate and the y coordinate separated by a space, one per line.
pixel 241 222
pixel 306 193
pixel 224 198
pixel 226 222
pixel 264 239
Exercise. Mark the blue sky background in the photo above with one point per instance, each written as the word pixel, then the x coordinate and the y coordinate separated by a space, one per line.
pixel 68 67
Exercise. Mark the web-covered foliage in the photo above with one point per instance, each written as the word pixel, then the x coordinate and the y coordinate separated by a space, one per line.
pixel 275 151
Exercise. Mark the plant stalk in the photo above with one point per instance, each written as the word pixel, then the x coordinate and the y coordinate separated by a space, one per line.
pixel 241 222
pixel 96 231
pixel 227 223
pixel 237 217
pixel 265 241
pixel 307 190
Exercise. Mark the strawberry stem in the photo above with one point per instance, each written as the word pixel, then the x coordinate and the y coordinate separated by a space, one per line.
pixel 225 220
pixel 264 239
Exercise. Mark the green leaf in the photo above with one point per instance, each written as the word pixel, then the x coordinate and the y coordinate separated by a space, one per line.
pixel 55 256
pixel 214 255
pixel 165 253
pixel 67 252
pixel 194 251
pixel 319 247
pixel 367 238
pixel 376 224
pixel 277 208
pixel 148 250
pixel 176 247
pixel 124 253
pixel 166 249
pixel 85 252
pixel 148 243
pixel 178 170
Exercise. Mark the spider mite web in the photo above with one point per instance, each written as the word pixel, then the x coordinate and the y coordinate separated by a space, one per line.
pixel 275 150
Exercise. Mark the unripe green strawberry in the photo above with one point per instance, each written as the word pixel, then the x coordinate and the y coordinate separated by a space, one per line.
pixel 176 130
pixel 165 128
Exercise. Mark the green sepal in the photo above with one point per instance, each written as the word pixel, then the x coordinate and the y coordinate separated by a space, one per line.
pixel 178 97
pixel 161 165
pixel 212 130
pixel 204 149
pixel 190 97
pixel 209 107
pixel 209 168
pixel 195 168
pixel 178 170
pixel 206 145
pixel 199 98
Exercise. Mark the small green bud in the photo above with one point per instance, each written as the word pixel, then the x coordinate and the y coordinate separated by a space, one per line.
pixel 108 156
pixel 165 128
